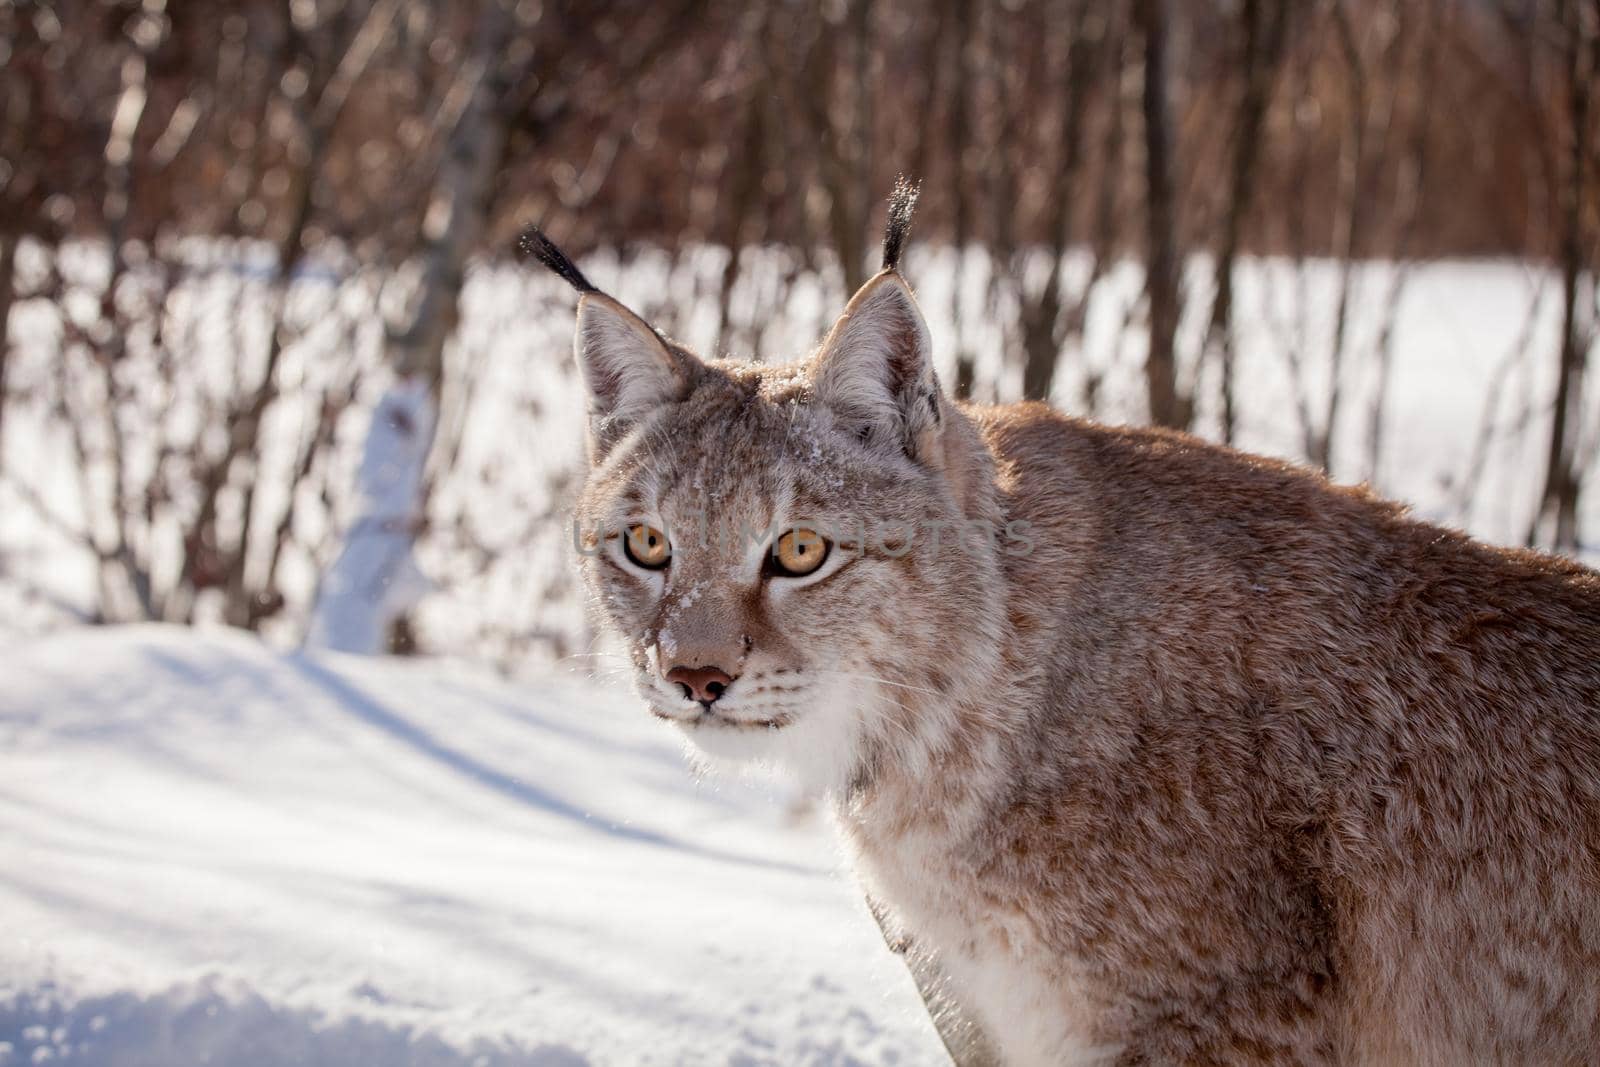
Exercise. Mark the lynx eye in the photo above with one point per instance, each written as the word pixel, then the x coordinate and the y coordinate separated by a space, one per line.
pixel 647 547
pixel 799 552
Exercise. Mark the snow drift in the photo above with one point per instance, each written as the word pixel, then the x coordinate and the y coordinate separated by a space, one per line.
pixel 211 852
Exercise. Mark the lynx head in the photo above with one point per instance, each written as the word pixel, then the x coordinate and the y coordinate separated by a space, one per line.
pixel 799 558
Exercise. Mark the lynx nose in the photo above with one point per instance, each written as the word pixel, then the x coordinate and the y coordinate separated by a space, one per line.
pixel 704 684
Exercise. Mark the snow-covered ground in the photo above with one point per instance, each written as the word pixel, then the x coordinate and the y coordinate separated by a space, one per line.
pixel 214 852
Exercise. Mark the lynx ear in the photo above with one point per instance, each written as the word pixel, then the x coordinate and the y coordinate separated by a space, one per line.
pixel 875 370
pixel 629 369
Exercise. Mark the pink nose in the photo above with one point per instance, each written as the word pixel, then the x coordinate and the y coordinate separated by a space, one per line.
pixel 704 684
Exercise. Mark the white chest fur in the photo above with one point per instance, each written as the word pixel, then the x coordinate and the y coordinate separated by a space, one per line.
pixel 1034 1015
pixel 1031 1004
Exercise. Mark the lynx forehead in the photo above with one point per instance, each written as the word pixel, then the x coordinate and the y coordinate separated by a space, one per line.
pixel 1228 766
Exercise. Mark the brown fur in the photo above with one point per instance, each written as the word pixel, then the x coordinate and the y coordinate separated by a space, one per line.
pixel 1309 781
pixel 1235 766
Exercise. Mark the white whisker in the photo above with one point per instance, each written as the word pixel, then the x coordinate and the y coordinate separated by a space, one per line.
pixel 881 681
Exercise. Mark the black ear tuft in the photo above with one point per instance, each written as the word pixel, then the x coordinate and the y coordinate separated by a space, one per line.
pixel 902 201
pixel 534 243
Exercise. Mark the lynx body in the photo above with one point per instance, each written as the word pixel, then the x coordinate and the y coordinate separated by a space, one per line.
pixel 1174 755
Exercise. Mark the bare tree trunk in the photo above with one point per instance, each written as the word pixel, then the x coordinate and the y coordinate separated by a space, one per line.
pixel 1558 504
pixel 1264 22
pixel 961 61
pixel 1002 60
pixel 18 192
pixel 1167 407
pixel 8 281
pixel 459 208
pixel 375 581
pixel 862 118
pixel 842 123
pixel 1042 332
pixel 126 121
pixel 1295 338
pixel 930 88
pixel 1105 226
pixel 1414 171
pixel 1352 214
pixel 743 200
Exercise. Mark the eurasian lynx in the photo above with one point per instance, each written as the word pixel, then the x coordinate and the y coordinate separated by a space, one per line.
pixel 1172 754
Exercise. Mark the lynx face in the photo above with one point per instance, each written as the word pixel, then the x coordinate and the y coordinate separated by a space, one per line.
pixel 783 549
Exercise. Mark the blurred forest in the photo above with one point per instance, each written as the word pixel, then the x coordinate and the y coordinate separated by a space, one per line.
pixel 230 230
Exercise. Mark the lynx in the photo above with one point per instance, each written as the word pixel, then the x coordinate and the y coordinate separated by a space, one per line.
pixel 1169 754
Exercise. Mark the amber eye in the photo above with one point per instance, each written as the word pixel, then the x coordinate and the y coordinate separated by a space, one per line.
pixel 647 547
pixel 799 552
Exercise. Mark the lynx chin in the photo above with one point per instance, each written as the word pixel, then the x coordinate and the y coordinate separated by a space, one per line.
pixel 1232 766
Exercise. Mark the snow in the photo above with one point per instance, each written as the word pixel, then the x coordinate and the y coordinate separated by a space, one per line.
pixel 214 852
